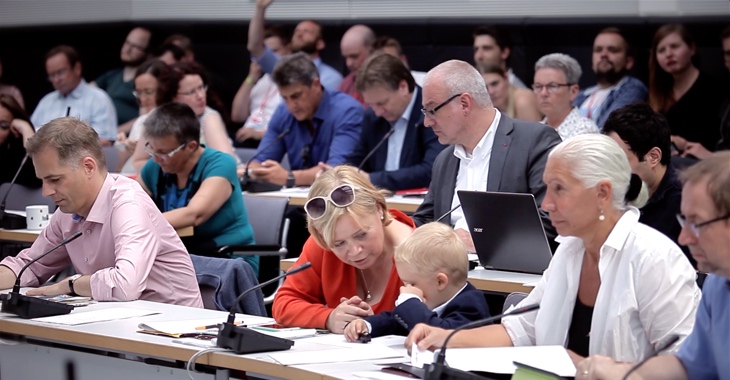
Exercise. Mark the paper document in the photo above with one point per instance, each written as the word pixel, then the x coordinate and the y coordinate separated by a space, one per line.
pixel 358 352
pixel 287 333
pixel 500 359
pixel 102 315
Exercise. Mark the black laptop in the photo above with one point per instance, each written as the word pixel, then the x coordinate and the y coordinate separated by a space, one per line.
pixel 507 231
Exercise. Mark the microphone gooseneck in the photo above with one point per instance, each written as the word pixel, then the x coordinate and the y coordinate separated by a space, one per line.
pixel 377 146
pixel 16 287
pixel 258 152
pixel 15 178
pixel 673 339
pixel 447 213
pixel 295 270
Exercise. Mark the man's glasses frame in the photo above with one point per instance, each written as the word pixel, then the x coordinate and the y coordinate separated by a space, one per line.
pixel 162 156
pixel 341 196
pixel 695 227
pixel 550 87
pixel 432 112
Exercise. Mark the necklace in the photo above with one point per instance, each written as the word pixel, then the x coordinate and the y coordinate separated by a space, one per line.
pixel 365 283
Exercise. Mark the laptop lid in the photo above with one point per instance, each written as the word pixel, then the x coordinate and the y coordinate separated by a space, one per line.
pixel 506 230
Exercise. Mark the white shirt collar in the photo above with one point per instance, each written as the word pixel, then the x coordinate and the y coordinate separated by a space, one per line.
pixel 407 112
pixel 484 146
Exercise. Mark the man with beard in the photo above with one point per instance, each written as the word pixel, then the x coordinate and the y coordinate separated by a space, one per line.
pixel 119 83
pixel 307 38
pixel 612 61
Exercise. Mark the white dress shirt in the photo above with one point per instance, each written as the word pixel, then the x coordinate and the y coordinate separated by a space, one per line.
pixel 574 124
pixel 473 170
pixel 86 103
pixel 647 294
pixel 395 141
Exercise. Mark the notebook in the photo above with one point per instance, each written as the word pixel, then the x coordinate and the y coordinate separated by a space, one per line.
pixel 507 231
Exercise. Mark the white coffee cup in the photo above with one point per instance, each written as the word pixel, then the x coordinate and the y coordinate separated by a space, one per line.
pixel 36 217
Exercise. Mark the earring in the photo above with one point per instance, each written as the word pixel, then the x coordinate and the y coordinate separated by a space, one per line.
pixel 601 217
pixel 382 217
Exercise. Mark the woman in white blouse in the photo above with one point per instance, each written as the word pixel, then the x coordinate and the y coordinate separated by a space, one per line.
pixel 614 287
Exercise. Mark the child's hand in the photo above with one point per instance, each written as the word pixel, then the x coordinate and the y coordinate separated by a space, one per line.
pixel 354 329
pixel 411 290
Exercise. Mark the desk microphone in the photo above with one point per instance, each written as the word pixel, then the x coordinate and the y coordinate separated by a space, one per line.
pixel 243 340
pixel 31 307
pixel 439 370
pixel 377 146
pixel 10 221
pixel 672 339
pixel 255 186
pixel 447 213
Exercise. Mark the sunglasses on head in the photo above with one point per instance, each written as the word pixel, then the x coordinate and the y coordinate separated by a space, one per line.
pixel 340 196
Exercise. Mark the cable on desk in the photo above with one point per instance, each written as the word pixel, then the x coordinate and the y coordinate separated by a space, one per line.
pixel 190 365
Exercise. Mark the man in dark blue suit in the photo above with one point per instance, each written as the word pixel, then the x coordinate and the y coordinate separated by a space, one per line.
pixel 403 158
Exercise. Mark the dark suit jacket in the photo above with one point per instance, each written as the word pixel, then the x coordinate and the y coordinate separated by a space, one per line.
pixel 420 148
pixel 516 165
pixel 469 305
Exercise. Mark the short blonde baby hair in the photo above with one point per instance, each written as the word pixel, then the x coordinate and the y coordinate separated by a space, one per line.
pixel 435 247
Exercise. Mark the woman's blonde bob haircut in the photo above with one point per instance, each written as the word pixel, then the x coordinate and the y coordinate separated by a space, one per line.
pixel 368 201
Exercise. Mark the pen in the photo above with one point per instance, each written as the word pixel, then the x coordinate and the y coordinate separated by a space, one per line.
pixel 215 326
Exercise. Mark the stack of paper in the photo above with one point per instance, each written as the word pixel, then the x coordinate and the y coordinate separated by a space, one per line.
pixel 176 329
pixel 101 315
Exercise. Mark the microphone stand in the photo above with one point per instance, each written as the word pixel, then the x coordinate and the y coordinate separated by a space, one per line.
pixel 243 340
pixel 377 146
pixel 439 370
pixel 10 221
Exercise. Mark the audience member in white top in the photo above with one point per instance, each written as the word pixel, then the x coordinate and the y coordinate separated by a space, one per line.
pixel 556 85
pixel 75 97
pixel 258 96
pixel 615 287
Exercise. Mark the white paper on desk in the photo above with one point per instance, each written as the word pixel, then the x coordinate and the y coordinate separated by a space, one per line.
pixel 531 284
pixel 101 315
pixel 499 359
pixel 339 340
pixel 355 353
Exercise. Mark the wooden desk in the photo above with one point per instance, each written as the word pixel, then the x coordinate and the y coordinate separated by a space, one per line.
pixel 136 355
pixel 482 279
pixel 298 197
pixel 29 236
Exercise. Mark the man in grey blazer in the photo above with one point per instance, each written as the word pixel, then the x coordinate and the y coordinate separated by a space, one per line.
pixel 488 150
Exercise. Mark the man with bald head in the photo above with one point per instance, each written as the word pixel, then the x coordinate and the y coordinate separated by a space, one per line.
pixel 307 38
pixel 355 46
pixel 119 83
pixel 488 150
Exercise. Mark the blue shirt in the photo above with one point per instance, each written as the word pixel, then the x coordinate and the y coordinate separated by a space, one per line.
pixel 705 354
pixel 328 76
pixel 628 90
pixel 229 224
pixel 337 124
pixel 87 103
pixel 395 142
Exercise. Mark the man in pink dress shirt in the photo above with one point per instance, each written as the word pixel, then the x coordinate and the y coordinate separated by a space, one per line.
pixel 128 250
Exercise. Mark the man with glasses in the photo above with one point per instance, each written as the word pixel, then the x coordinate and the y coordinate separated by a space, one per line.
pixel 127 251
pixel 405 160
pixel 705 223
pixel 194 186
pixel 74 96
pixel 119 83
pixel 489 151
pixel 556 85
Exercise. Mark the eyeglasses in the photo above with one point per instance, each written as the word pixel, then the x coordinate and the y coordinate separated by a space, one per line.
pixel 341 196
pixel 162 156
pixel 432 112
pixel 146 91
pixel 194 91
pixel 695 227
pixel 551 87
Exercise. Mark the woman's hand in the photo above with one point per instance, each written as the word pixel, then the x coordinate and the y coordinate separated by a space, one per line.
pixel 348 310
pixel 697 150
pixel 354 329
pixel 679 142
pixel 21 128
pixel 426 337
